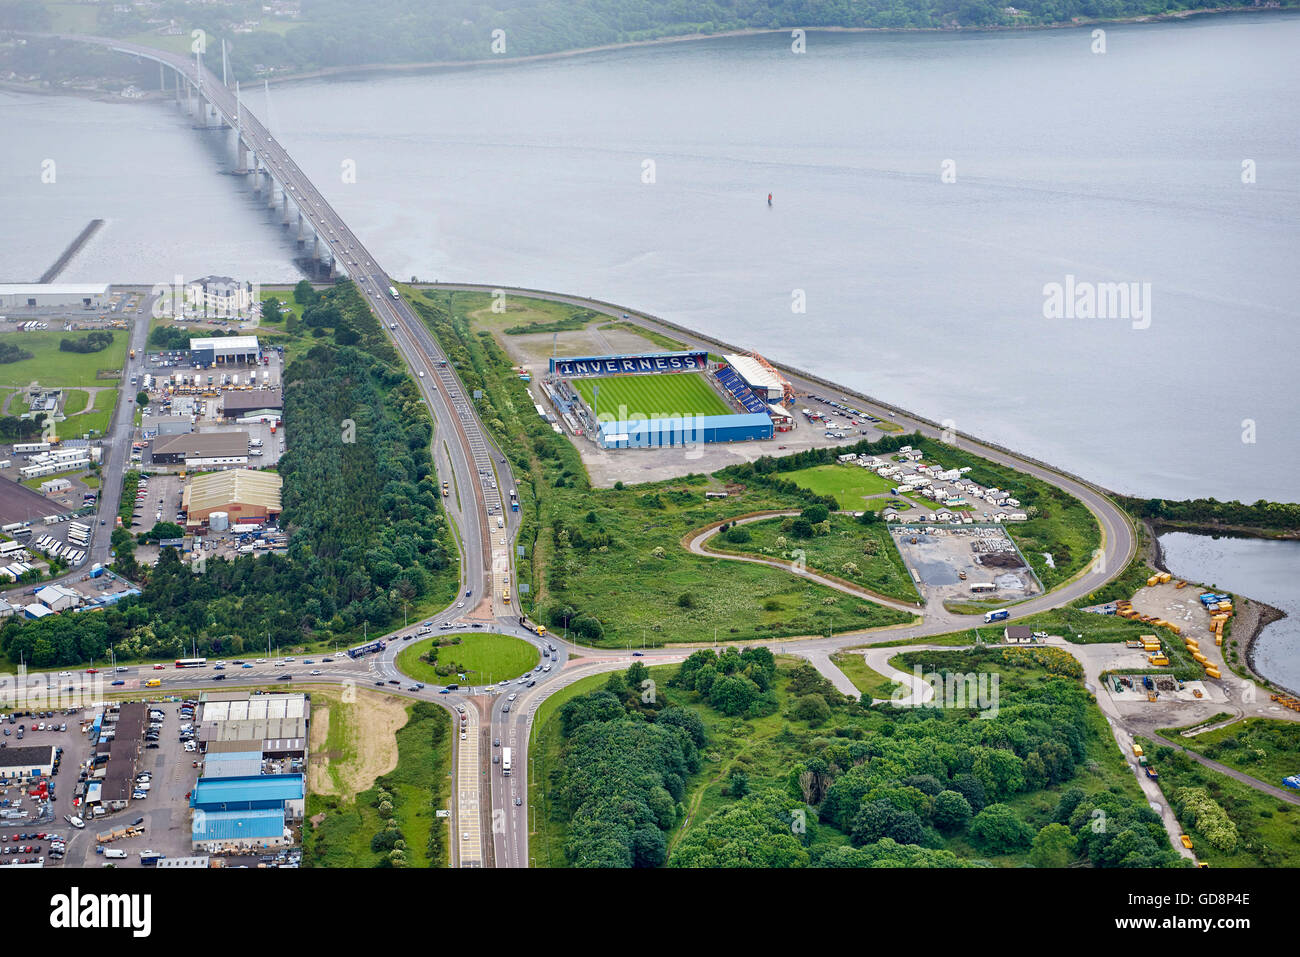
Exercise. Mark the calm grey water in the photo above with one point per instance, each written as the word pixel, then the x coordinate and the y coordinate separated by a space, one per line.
pixel 1267 571
pixel 1122 167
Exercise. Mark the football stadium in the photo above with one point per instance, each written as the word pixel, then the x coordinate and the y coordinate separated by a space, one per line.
pixel 660 399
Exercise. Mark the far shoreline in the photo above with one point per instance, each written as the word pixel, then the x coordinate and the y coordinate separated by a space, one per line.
pixel 434 66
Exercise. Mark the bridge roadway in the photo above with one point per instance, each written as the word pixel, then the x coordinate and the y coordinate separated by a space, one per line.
pixel 481 471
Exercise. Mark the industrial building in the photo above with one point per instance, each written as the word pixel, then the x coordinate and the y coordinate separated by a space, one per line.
pixel 220 350
pixel 237 496
pixel 201 450
pixel 55 486
pixel 236 405
pixel 218 297
pixel 59 597
pixel 35 295
pixel 67 459
pixel 688 430
pixel 246 812
pixel 165 426
pixel 35 761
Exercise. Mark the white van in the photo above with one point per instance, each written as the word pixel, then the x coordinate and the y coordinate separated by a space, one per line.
pixel 501 522
pixel 114 852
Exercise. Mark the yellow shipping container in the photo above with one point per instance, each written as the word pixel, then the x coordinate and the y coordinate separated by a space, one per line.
pixel 1218 639
pixel 1159 660
pixel 1201 658
pixel 1153 580
pixel 1165 577
pixel 1212 671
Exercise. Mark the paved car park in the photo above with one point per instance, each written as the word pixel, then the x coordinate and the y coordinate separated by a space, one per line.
pixel 42 728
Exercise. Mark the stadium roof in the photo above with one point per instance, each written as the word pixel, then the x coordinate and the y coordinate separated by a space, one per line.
pixel 235 825
pixel 754 372
pixel 245 486
pixel 244 343
pixel 54 289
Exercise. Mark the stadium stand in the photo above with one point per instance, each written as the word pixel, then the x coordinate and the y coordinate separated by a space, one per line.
pixel 736 386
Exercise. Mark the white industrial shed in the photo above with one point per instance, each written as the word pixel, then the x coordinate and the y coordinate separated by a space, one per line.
pixel 35 295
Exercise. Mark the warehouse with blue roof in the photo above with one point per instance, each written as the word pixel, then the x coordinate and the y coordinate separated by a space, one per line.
pixel 245 811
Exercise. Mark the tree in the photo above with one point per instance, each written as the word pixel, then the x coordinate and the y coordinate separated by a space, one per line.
pixel 1053 847
pixel 271 310
pixel 811 708
pixel 952 812
pixel 142 398
pixel 997 830
pixel 733 694
pixel 815 513
pixel 304 294
pixel 755 831
pixel 880 819
pixel 738 535
pixel 801 528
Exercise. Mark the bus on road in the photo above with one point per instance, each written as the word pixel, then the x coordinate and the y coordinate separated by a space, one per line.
pixel 361 651
pixel 191 662
pixel 505 761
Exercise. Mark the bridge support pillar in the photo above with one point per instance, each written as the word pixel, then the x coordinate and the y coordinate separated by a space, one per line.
pixel 270 190
pixel 256 167
pixel 162 77
pixel 301 236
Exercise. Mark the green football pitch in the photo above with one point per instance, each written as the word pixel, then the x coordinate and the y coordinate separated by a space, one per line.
pixel 653 396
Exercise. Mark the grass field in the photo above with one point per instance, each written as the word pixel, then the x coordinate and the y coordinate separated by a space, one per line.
pixel 653 396
pixel 481 658
pixel 866 679
pixel 1265 749
pixel 864 555
pixel 74 401
pixel 850 485
pixel 96 419
pixel 52 367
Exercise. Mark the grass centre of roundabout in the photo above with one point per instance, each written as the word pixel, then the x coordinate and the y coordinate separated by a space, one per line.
pixel 481 658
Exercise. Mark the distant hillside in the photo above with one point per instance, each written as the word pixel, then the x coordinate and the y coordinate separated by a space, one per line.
pixel 342 33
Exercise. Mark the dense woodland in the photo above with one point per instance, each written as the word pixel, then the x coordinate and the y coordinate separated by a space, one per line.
pixel 845 785
pixel 361 503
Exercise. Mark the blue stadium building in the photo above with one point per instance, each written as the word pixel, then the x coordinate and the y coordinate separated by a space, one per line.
pixel 687 430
